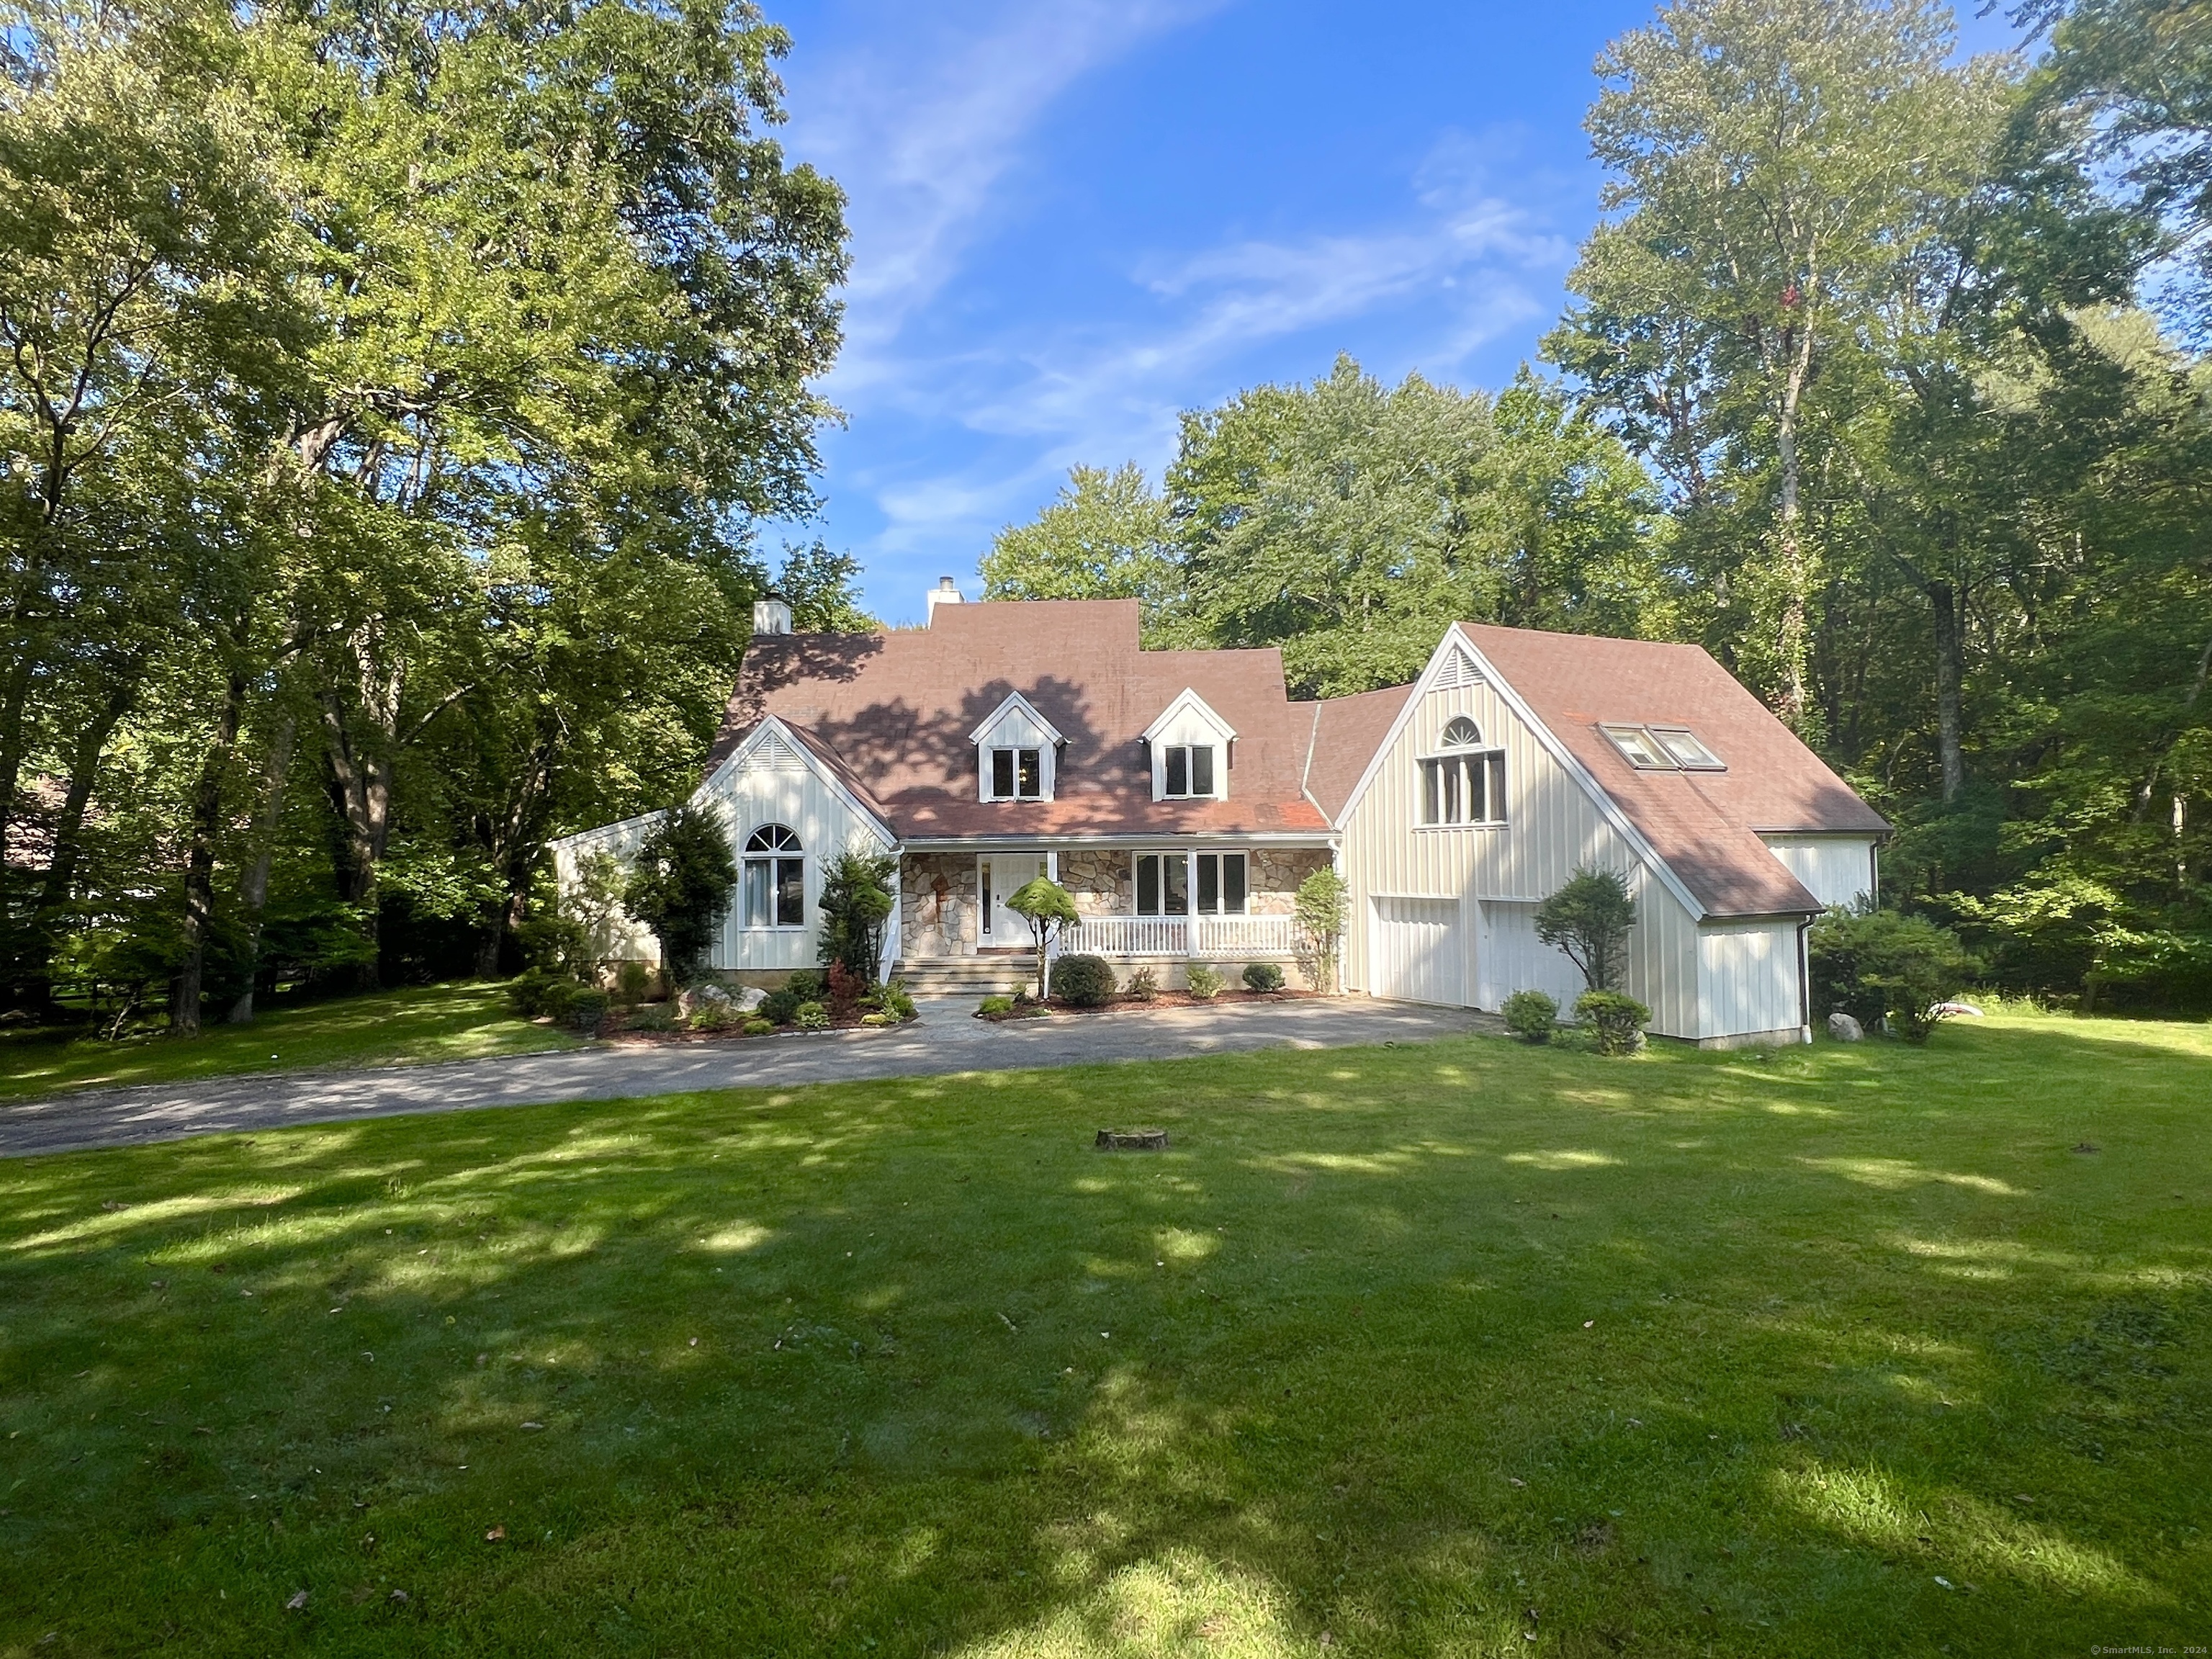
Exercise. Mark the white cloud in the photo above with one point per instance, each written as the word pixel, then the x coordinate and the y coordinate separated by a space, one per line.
pixel 923 127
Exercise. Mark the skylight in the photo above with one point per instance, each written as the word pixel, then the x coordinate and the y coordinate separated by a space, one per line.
pixel 1663 749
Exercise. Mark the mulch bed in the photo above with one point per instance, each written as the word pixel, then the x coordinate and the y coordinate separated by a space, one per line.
pixel 1121 1005
pixel 612 1032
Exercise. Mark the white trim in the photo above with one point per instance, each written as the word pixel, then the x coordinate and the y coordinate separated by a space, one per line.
pixel 1014 701
pixel 1189 701
pixel 814 764
pixel 576 837
pixel 1609 808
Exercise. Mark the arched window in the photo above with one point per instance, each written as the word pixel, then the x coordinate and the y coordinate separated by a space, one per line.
pixel 774 879
pixel 1463 783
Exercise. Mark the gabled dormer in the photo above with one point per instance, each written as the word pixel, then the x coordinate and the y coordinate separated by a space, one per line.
pixel 1189 745
pixel 1016 753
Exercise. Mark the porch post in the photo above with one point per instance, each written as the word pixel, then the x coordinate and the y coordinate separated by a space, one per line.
pixel 1189 904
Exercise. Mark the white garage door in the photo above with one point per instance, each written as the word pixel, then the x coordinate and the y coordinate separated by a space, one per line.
pixel 1416 953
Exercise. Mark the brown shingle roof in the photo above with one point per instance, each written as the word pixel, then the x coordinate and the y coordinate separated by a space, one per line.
pixel 1347 733
pixel 895 712
pixel 1703 824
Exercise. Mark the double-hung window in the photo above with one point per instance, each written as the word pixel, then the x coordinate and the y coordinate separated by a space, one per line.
pixel 1464 783
pixel 774 879
pixel 1017 774
pixel 1189 769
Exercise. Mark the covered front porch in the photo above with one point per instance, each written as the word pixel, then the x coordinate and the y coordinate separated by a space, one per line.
pixel 1162 904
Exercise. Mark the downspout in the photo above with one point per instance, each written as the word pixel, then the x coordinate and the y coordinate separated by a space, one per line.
pixel 1805 978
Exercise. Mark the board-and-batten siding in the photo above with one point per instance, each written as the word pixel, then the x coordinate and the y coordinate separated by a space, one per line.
pixel 1835 869
pixel 772 783
pixel 630 941
pixel 1498 873
pixel 1747 978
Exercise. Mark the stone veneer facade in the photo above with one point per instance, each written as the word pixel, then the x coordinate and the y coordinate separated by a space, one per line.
pixel 937 895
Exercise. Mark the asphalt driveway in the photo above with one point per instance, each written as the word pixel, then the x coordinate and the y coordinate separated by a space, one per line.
pixel 947 1039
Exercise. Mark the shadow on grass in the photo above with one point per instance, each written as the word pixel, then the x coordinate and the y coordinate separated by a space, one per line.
pixel 1397 1345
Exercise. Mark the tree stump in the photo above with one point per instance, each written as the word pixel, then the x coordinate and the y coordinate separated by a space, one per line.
pixel 1132 1140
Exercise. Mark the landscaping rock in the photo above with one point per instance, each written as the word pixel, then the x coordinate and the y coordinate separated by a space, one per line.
pixel 1843 1028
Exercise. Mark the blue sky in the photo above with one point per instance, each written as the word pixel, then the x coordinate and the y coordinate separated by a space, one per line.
pixel 1072 219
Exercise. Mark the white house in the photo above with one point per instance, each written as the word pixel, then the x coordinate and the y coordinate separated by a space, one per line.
pixel 1182 796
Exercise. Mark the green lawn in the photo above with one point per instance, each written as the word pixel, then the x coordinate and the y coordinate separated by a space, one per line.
pixel 1416 1350
pixel 430 1022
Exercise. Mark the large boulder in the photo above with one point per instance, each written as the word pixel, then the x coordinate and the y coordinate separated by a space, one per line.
pixel 742 999
pixel 1843 1028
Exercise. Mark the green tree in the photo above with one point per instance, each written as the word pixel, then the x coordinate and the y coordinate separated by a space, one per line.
pixel 1045 905
pixel 1106 535
pixel 1769 165
pixel 856 902
pixel 1589 918
pixel 680 887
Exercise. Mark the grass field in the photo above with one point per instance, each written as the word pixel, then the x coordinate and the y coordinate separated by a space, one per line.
pixel 1461 1348
pixel 394 1028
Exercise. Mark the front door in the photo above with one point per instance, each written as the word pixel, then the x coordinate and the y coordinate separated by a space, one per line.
pixel 998 876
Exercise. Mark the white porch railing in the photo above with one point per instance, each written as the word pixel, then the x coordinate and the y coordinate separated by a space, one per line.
pixel 1202 937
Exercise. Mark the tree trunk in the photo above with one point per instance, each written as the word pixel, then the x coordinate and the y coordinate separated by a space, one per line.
pixel 15 698
pixel 1950 671
pixel 199 865
pixel 361 791
pixel 253 885
pixel 1790 629
pixel 69 836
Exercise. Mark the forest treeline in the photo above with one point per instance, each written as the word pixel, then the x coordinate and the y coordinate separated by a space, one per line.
pixel 1882 378
pixel 389 395
pixel 392 396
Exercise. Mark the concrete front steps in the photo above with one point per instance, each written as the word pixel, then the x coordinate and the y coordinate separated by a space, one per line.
pixel 964 977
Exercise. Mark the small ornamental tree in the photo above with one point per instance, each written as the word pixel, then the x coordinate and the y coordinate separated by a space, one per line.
pixel 680 888
pixel 855 903
pixel 1319 910
pixel 1044 905
pixel 1589 918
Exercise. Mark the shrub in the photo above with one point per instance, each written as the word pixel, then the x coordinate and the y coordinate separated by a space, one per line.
pixel 1589 918
pixel 653 1017
pixel 1531 1016
pixel 1262 976
pixel 717 1016
pixel 632 981
pixel 681 887
pixel 995 1004
pixel 1319 908
pixel 780 1006
pixel 1205 984
pixel 1616 1022
pixel 855 905
pixel 1875 964
pixel 1083 982
pixel 812 1016
pixel 878 1019
pixel 588 1011
pixel 538 992
pixel 1143 985
pixel 895 998
pixel 844 989
pixel 758 1027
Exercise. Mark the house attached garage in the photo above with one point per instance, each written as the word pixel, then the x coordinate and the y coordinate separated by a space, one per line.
pixel 1417 950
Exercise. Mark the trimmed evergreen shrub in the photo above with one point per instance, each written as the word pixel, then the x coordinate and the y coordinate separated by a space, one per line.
pixel 1877 964
pixel 781 1006
pixel 1083 982
pixel 758 1027
pixel 1616 1022
pixel 680 887
pixel 1531 1016
pixel 1262 976
pixel 588 1011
